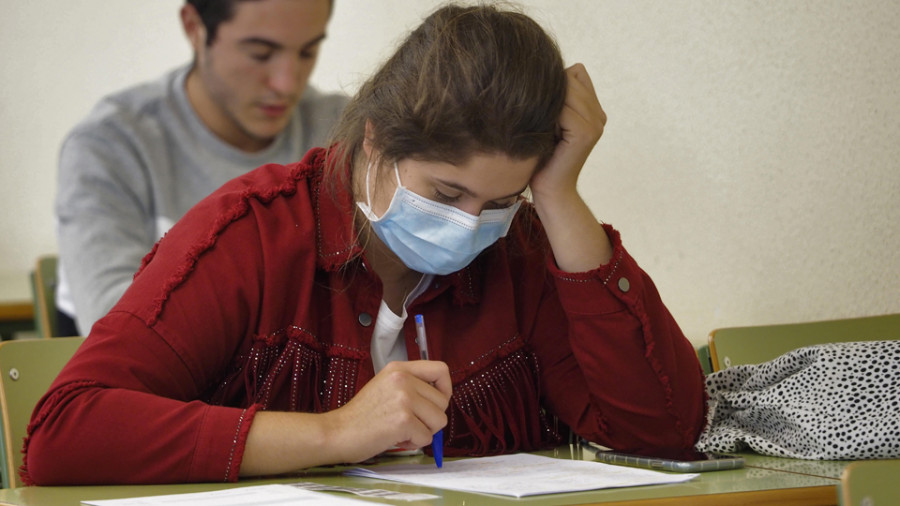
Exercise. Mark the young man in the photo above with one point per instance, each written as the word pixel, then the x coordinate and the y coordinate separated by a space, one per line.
pixel 146 155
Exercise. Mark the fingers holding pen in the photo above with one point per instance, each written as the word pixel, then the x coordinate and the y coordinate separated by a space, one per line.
pixel 430 381
pixel 420 392
pixel 426 414
pixel 403 405
pixel 437 375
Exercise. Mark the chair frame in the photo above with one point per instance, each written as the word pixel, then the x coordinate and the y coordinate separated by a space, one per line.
pixel 729 346
pixel 869 482
pixel 27 369
pixel 44 280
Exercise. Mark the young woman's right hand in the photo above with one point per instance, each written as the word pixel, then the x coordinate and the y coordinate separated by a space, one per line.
pixel 403 406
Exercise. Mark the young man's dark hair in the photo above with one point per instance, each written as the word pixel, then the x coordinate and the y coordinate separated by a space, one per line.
pixel 215 12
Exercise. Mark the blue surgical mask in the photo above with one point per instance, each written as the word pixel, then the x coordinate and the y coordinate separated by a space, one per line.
pixel 434 238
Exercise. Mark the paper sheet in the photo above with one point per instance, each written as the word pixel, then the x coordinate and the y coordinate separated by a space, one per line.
pixel 519 475
pixel 261 495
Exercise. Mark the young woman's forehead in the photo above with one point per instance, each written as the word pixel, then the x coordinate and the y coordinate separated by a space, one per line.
pixel 497 175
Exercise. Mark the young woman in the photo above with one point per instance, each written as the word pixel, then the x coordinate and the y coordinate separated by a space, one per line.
pixel 270 330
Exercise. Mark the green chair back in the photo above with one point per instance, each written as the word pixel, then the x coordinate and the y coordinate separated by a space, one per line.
pixel 870 483
pixel 704 358
pixel 44 280
pixel 733 346
pixel 27 368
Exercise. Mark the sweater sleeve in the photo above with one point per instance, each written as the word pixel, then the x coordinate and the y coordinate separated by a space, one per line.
pixel 627 378
pixel 105 219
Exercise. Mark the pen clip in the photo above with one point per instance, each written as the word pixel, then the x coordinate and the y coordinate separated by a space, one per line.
pixel 421 337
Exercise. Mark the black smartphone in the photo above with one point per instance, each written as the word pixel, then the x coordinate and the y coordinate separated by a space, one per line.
pixel 687 462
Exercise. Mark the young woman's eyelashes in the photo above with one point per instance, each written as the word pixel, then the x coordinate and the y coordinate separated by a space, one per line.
pixel 442 197
pixel 439 196
pixel 503 204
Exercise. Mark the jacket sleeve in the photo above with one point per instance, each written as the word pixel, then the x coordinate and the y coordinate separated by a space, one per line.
pixel 121 412
pixel 625 376
pixel 128 407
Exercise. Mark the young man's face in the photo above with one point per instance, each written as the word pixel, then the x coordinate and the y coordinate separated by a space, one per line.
pixel 245 84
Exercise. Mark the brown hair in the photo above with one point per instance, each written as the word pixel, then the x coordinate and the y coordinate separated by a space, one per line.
pixel 467 80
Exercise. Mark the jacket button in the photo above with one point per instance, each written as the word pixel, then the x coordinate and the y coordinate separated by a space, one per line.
pixel 624 285
pixel 365 319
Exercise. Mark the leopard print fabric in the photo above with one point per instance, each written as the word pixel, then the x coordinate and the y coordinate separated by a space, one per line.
pixel 830 402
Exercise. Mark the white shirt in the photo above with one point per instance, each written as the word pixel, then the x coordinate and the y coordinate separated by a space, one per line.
pixel 387 345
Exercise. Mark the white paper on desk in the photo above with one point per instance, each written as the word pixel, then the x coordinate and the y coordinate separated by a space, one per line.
pixel 519 475
pixel 259 495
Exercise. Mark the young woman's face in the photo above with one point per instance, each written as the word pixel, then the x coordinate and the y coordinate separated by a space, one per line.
pixel 484 181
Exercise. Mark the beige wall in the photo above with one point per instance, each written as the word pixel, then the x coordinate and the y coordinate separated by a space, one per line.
pixel 751 160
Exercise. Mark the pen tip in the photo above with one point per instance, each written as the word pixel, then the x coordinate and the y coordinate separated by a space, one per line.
pixel 437 447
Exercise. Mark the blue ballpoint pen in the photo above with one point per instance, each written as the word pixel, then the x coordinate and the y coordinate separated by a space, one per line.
pixel 437 440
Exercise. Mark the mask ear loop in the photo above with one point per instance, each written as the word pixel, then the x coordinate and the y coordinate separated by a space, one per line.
pixel 368 199
pixel 368 168
pixel 397 173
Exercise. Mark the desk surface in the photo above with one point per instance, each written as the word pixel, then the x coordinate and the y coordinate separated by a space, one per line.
pixel 752 484
pixel 821 468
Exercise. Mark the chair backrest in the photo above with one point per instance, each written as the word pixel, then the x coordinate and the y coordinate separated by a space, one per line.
pixel 870 483
pixel 733 346
pixel 27 368
pixel 45 280
pixel 703 357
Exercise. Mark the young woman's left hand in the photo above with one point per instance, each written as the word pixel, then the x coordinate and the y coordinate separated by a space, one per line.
pixel 578 240
pixel 581 125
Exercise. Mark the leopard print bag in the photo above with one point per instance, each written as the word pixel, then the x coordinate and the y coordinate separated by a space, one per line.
pixel 829 401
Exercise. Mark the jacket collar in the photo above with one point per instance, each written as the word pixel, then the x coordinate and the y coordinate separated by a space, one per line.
pixel 336 238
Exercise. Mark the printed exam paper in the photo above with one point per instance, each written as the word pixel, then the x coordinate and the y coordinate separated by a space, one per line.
pixel 519 475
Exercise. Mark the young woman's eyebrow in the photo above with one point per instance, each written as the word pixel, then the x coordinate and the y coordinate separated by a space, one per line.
pixel 463 189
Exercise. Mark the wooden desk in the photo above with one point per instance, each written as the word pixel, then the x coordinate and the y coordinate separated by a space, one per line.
pixel 16 305
pixel 16 311
pixel 750 485
pixel 822 468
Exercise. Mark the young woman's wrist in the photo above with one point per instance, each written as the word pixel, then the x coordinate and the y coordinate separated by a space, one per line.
pixel 552 205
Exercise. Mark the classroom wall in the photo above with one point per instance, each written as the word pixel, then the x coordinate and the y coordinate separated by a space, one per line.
pixel 750 160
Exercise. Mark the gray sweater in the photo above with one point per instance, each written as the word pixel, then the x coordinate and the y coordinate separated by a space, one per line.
pixel 134 166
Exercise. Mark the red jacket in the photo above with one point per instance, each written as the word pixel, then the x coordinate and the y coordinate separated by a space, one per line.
pixel 261 298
